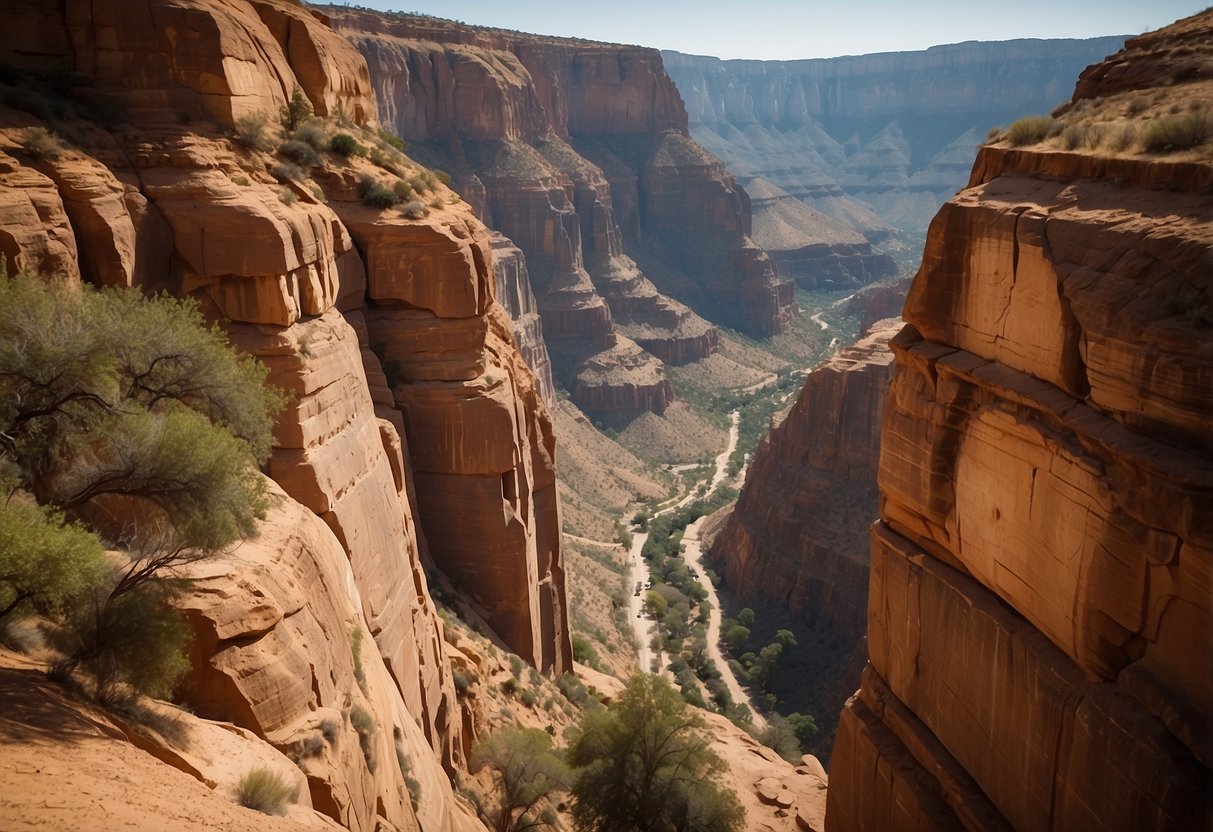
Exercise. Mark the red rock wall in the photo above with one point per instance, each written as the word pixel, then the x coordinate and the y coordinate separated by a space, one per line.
pixel 1040 623
pixel 546 129
pixel 798 535
pixel 368 462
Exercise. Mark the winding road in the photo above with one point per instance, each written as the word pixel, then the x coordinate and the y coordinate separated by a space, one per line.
pixel 692 555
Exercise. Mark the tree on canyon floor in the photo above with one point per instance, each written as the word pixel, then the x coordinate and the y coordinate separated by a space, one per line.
pixel 645 763
pixel 125 424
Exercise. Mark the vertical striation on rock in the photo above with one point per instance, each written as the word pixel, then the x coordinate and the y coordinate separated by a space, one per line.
pixel 446 438
pixel 872 141
pixel 798 536
pixel 557 145
pixel 1040 623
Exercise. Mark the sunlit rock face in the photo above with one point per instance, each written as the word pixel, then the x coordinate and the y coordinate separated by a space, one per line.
pixel 414 431
pixel 634 238
pixel 1039 622
pixel 873 142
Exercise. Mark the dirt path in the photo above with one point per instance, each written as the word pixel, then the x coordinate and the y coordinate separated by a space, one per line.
pixel 642 625
pixel 693 555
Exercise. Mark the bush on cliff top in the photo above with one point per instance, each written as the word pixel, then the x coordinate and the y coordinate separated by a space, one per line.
pixel 1171 134
pixel 1029 130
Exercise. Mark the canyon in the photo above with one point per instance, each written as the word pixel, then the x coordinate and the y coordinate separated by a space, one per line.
pixel 636 240
pixel 1029 618
pixel 871 144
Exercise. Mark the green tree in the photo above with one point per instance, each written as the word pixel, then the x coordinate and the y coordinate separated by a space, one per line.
pixel 736 637
pixel 527 770
pixel 132 417
pixel 804 725
pixel 780 735
pixel 295 111
pixel 45 562
pixel 786 639
pixel 646 763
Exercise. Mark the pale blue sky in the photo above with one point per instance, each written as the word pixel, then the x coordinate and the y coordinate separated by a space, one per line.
pixel 785 29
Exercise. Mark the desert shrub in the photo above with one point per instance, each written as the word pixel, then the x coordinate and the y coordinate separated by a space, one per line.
pixel 330 729
pixel 108 392
pixel 516 665
pixel 410 782
pixel 461 681
pixel 442 176
pixel 295 111
pixel 1123 137
pixel 528 697
pixel 343 144
pixel 46 563
pixel 380 159
pixel 286 171
pixel 364 725
pixel 510 686
pixel 41 143
pixel 252 131
pixel 414 209
pixel 1087 135
pixel 1171 134
pixel 436 202
pixel 1029 130
pixel 299 152
pixel 265 791
pixel 378 196
pixel 403 190
pixel 311 133
pixel 573 690
pixel 1137 104
pixel 526 771
pixel 419 184
pixel 392 140
pixel 356 651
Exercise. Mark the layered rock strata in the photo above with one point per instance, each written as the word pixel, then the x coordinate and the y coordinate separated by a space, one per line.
pixel 799 533
pixel 878 140
pixel 1039 622
pixel 556 144
pixel 445 438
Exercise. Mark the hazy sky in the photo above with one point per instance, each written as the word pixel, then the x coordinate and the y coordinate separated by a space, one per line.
pixel 782 29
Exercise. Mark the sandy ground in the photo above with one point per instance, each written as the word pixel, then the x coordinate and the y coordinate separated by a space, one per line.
pixel 65 766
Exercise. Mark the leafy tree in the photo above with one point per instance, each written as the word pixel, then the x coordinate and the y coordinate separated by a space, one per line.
pixel 295 111
pixel 736 637
pixel 527 770
pixel 804 725
pixel 45 562
pixel 128 415
pixel 780 735
pixel 746 617
pixel 763 671
pixel 786 639
pixel 646 763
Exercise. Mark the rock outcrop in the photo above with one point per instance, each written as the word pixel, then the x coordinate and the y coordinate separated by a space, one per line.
pixel 1039 622
pixel 873 141
pixel 415 433
pixel 558 145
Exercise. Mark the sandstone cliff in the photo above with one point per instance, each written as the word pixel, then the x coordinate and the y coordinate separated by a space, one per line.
pixel 415 434
pixel 798 535
pixel 1039 622
pixel 878 140
pixel 578 153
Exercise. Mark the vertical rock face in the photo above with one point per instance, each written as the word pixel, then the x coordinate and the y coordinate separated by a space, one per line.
pixel 446 437
pixel 561 144
pixel 799 533
pixel 1039 621
pixel 873 141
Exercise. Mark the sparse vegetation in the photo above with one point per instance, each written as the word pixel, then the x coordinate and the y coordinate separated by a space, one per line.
pixel 527 770
pixel 265 791
pixel 356 652
pixel 1029 130
pixel 285 172
pixel 364 725
pixel 392 140
pixel 40 143
pixel 646 763
pixel 1171 134
pixel 295 111
pixel 252 131
pixel 414 210
pixel 299 152
pixel 343 144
